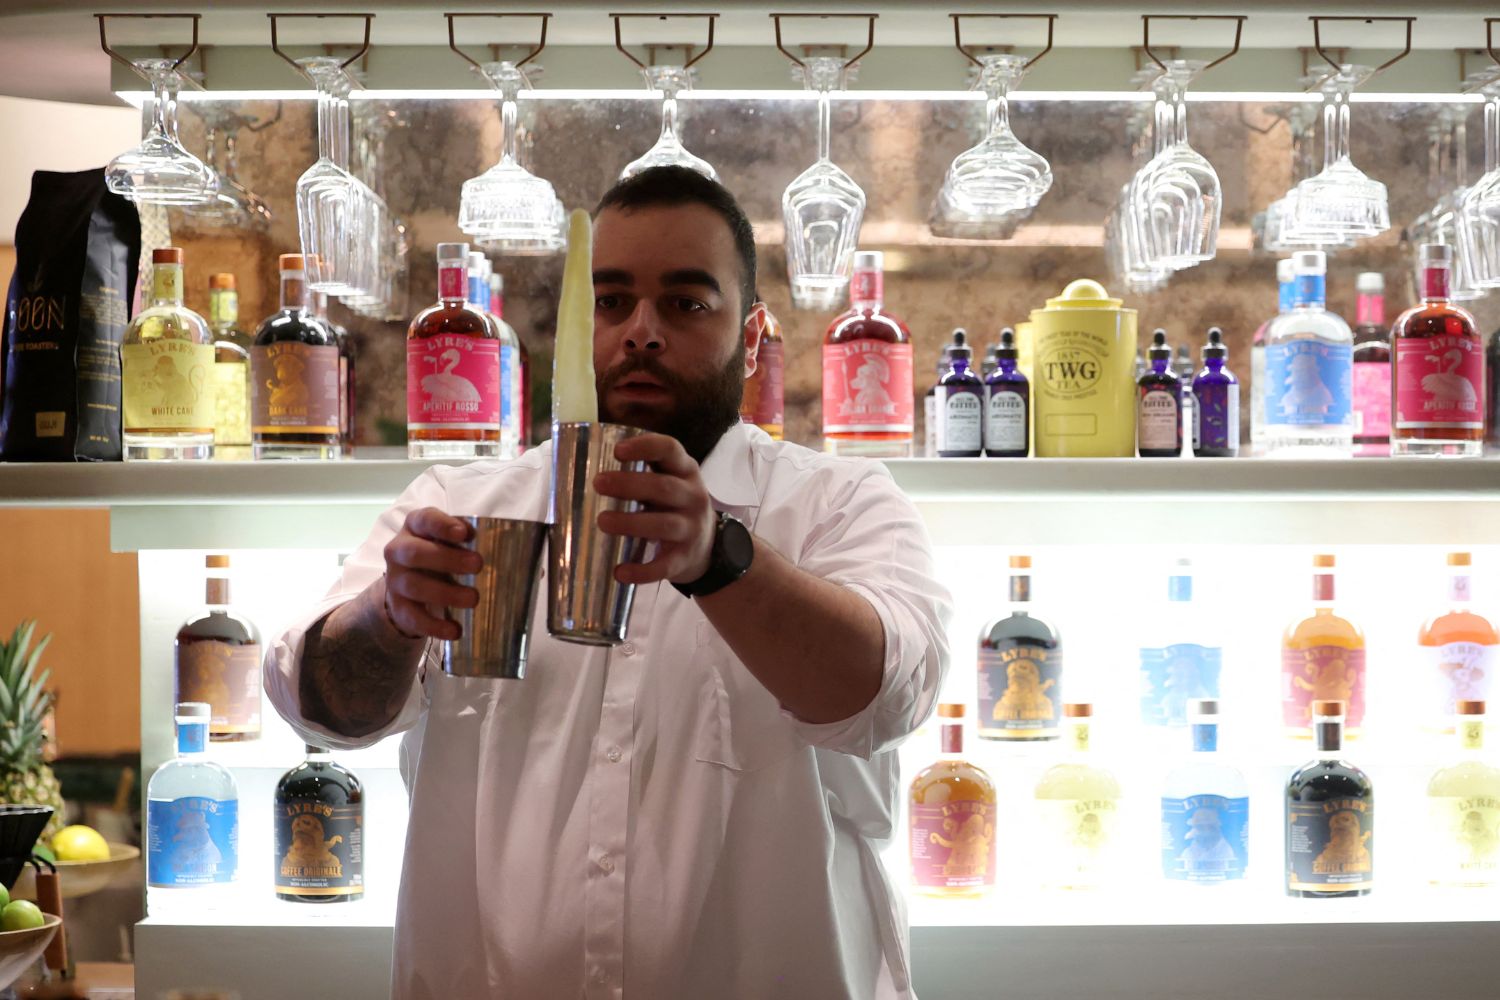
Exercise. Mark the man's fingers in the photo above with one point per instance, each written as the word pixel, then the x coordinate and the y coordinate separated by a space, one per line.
pixel 652 526
pixel 429 522
pixel 659 568
pixel 414 619
pixel 412 552
pixel 662 491
pixel 425 589
pixel 664 452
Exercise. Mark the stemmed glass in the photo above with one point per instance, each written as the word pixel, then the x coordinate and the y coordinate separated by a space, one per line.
pixel 823 208
pixel 327 198
pixel 990 188
pixel 1122 244
pixel 260 212
pixel 1175 200
pixel 1439 224
pixel 507 208
pixel 160 171
pixel 1478 221
pixel 669 150
pixel 391 298
pixel 1340 203
pixel 227 207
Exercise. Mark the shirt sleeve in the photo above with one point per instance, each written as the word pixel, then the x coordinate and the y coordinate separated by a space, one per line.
pixel 283 662
pixel 872 541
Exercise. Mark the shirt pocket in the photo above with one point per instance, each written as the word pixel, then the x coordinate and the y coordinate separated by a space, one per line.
pixel 744 729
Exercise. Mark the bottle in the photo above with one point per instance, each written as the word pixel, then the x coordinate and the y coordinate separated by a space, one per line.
pixel 217 661
pixel 1020 669
pixel 192 812
pixel 1077 812
pixel 346 372
pixel 1159 404
pixel 1330 818
pixel 1309 372
pixel 867 371
pixel 294 370
pixel 1457 650
pixel 1286 282
pixel 1181 662
pixel 764 402
pixel 1007 407
pixel 952 819
pixel 1438 370
pixel 1182 367
pixel 452 371
pixel 929 403
pixel 1322 659
pixel 166 372
pixel 510 406
pixel 1216 397
pixel 320 824
pixel 1463 810
pixel 1205 810
pixel 1492 392
pixel 960 405
pixel 1140 364
pixel 231 372
pixel 1372 368
pixel 991 359
pixel 520 369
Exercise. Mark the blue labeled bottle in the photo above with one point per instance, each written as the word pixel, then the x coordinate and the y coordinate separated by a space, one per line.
pixel 192 811
pixel 1007 404
pixel 1158 426
pixel 1205 810
pixel 1180 658
pixel 960 405
pixel 1216 391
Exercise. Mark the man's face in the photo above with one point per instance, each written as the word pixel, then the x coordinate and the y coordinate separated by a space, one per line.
pixel 670 352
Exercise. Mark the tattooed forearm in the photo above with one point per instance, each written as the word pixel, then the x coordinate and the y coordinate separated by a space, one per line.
pixel 356 669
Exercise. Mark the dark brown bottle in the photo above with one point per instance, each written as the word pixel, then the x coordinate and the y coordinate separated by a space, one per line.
pixel 294 376
pixel 320 829
pixel 218 661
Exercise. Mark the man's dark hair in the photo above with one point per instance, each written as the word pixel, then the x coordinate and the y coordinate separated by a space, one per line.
pixel 675 185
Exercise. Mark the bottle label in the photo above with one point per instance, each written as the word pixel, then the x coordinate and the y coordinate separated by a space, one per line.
pixel 961 425
pixel 320 849
pixel 1330 845
pixel 452 280
pixel 1459 671
pixel 1005 425
pixel 1321 673
pixel 227 677
pixel 1372 399
pixel 231 391
pixel 192 841
pixel 1216 417
pixel 1205 838
pixel 1158 421
pixel 510 405
pixel 867 287
pixel 1369 309
pixel 1171 676
pixel 1464 844
pixel 453 383
pixel 1309 383
pixel 764 403
pixel 167 386
pixel 929 424
pixel 867 388
pixel 1439 383
pixel 1079 835
pixel 223 308
pixel 953 844
pixel 294 388
pixel 345 417
pixel 166 283
pixel 1020 691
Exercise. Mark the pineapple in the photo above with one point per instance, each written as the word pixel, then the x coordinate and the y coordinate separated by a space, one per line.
pixel 24 778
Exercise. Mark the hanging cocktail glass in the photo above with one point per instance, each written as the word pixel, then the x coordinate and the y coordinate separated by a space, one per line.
pixel 160 171
pixel 669 150
pixel 1176 200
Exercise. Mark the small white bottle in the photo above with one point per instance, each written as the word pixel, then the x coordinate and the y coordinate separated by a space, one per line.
pixel 1205 810
pixel 192 812
pixel 1309 382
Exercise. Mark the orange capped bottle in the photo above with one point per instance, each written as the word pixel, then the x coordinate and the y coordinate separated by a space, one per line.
pixel 952 819
pixel 1322 659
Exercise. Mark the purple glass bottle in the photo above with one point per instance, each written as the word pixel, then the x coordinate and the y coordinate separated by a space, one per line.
pixel 1216 424
pixel 960 405
pixel 1007 404
pixel 1158 425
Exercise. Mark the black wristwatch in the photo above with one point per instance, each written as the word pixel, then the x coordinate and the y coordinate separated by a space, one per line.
pixel 730 559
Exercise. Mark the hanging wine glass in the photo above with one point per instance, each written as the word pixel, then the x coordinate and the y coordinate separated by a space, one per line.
pixel 1121 240
pixel 260 212
pixel 1340 202
pixel 160 171
pixel 1439 224
pixel 227 207
pixel 1176 200
pixel 507 208
pixel 669 150
pixel 990 187
pixel 1478 215
pixel 326 199
pixel 823 208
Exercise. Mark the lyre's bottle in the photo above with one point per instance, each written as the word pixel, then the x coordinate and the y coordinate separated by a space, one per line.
pixel 1322 659
pixel 1077 805
pixel 764 402
pixel 294 371
pixel 868 401
pixel 192 812
pixel 320 832
pixel 1330 817
pixel 952 819
pixel 231 368
pixel 1205 809
pixel 218 661
pixel 1437 370
pixel 166 372
pixel 1020 669
pixel 452 370
pixel 1463 809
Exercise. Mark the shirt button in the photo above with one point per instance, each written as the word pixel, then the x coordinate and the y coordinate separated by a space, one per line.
pixel 614 755
pixel 628 649
pixel 607 865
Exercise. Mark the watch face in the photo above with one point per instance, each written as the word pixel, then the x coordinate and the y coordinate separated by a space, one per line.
pixel 736 544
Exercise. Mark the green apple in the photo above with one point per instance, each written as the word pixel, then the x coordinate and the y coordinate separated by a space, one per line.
pixel 4 897
pixel 21 915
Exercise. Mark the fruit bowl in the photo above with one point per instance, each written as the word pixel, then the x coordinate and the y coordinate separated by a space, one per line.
pixel 19 950
pixel 81 878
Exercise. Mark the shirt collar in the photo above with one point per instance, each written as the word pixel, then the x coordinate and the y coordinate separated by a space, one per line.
pixel 728 472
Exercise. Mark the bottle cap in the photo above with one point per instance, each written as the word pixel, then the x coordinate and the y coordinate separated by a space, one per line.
pixel 221 282
pixel 1370 283
pixel 1328 709
pixel 1007 347
pixel 958 349
pixel 1310 262
pixel 1460 559
pixel 457 252
pixel 1184 565
pixel 1078 710
pixel 1159 349
pixel 1436 255
pixel 291 262
pixel 1206 707
pixel 216 562
pixel 1286 271
pixel 950 710
pixel 1323 560
pixel 194 711
pixel 1215 347
pixel 310 748
pixel 869 260
pixel 1020 562
pixel 166 255
pixel 497 281
pixel 1469 707
pixel 476 261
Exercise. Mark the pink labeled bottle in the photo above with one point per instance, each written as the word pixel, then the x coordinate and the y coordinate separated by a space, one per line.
pixel 1372 368
pixel 1438 370
pixel 868 403
pixel 452 370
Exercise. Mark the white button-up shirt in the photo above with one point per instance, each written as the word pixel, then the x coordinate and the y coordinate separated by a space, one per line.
pixel 647 821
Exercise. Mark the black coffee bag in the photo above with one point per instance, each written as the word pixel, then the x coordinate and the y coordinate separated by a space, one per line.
pixel 77 252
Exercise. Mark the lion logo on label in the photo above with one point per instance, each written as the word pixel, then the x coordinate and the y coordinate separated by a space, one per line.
pixel 310 852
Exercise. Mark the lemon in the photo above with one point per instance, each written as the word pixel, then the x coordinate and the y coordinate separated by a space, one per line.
pixel 80 843
pixel 21 915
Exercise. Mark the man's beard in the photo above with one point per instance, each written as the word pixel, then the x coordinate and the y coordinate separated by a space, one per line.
pixel 703 409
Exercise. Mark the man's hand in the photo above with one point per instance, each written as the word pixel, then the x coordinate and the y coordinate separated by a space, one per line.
pixel 679 515
pixel 420 563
